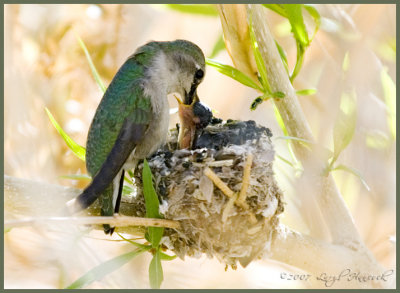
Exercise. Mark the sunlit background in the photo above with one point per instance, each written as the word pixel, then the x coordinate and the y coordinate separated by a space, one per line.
pixel 46 67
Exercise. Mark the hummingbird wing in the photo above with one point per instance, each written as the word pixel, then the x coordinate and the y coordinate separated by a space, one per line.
pixel 130 135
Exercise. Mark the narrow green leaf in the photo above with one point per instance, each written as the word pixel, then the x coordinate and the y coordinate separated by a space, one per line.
pixel 152 205
pixel 91 65
pixel 302 140
pixel 218 47
pixel 259 60
pixel 126 189
pixel 277 8
pixel 295 16
pixel 377 140
pixel 345 124
pixel 166 257
pixel 7 229
pixel 283 57
pixel 278 95
pixel 201 9
pixel 389 92
pixel 285 160
pixel 76 177
pixel 156 275
pixel 233 73
pixel 315 15
pixel 78 150
pixel 99 272
pixel 306 92
pixel 346 62
pixel 354 172
pixel 138 245
pixel 280 121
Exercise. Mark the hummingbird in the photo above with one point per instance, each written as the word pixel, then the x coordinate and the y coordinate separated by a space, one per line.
pixel 131 121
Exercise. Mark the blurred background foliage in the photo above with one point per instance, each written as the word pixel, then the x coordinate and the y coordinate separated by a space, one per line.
pixel 355 48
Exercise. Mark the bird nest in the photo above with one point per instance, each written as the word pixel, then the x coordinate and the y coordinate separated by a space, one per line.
pixel 222 192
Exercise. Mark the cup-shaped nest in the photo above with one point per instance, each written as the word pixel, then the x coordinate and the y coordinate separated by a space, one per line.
pixel 232 220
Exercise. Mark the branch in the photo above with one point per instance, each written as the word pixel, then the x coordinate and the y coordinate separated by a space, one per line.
pixel 41 203
pixel 326 194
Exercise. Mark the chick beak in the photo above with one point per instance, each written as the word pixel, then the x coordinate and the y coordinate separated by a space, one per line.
pixel 188 121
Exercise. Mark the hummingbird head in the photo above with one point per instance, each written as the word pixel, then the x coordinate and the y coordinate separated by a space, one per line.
pixel 186 64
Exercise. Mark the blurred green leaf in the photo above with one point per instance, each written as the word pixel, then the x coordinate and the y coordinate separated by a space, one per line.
pixel 91 65
pixel 295 16
pixel 315 15
pixel 233 73
pixel 156 275
pixel 76 177
pixel 285 160
pixel 152 205
pixel 280 121
pixel 279 95
pixel 345 124
pixel 283 57
pixel 346 62
pixel 167 257
pixel 259 60
pixel 138 245
pixel 354 172
pixel 377 140
pixel 105 268
pixel 278 8
pixel 78 150
pixel 218 47
pixel 306 92
pixel 389 91
pixel 302 140
pixel 202 9
pixel 6 230
pixel 126 190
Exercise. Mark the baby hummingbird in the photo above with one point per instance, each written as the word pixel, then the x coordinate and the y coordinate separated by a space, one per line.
pixel 131 121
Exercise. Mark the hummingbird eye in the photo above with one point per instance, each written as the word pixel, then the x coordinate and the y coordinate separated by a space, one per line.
pixel 199 74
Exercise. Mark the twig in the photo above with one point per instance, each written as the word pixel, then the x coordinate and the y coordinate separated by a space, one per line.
pixel 218 182
pixel 116 220
pixel 246 179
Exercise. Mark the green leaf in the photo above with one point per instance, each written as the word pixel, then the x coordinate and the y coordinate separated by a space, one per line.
pixel 99 272
pixel 295 16
pixel 285 160
pixel 377 140
pixel 76 177
pixel 152 205
pixel 315 15
pixel 167 257
pixel 156 275
pixel 78 150
pixel 354 172
pixel 218 47
pixel 389 92
pixel 283 57
pixel 302 140
pixel 278 95
pixel 127 190
pixel 280 121
pixel 92 67
pixel 306 92
pixel 345 124
pixel 138 245
pixel 233 73
pixel 201 9
pixel 259 60
pixel 278 8
pixel 346 62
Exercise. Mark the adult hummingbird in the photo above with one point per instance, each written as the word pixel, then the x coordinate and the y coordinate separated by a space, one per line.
pixel 131 121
